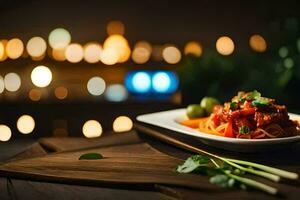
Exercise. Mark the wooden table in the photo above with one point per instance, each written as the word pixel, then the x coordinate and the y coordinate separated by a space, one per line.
pixel 12 188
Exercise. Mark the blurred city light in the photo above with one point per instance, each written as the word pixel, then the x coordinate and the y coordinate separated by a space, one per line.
pixel 258 43
pixel 2 86
pixel 92 52
pixel 120 45
pixel 14 48
pixel 115 27
pixel 122 124
pixel 96 86
pixel 138 82
pixel 283 52
pixel 35 94
pixel 12 82
pixel 36 47
pixel 225 45
pixel 141 52
pixel 74 53
pixel 3 56
pixel 92 129
pixel 171 54
pixel 59 38
pixel 41 76
pixel 116 93
pixel 59 54
pixel 61 92
pixel 5 133
pixel 288 63
pixel 2 50
pixel 109 56
pixel 164 82
pixel 25 124
pixel 193 48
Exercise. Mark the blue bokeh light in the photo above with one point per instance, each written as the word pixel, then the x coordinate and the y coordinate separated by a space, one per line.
pixel 163 82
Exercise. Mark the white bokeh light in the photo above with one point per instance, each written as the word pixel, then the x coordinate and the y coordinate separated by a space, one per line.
pixel 92 129
pixel 41 76
pixel 2 86
pixel 36 47
pixel 12 82
pixel 96 86
pixel 122 124
pixel 74 53
pixel 92 53
pixel 5 133
pixel 25 124
pixel 59 38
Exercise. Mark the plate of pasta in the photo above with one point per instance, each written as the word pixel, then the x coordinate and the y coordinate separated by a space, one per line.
pixel 248 122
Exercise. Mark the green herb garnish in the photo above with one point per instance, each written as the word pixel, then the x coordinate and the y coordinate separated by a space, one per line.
pixel 253 95
pixel 91 156
pixel 260 102
pixel 244 129
pixel 227 172
pixel 233 105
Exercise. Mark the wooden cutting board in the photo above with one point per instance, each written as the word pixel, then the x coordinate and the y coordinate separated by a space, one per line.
pixel 128 164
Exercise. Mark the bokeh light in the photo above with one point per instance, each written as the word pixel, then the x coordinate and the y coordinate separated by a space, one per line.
pixel 193 48
pixel 41 76
pixel 5 133
pixel 3 55
pixel 171 54
pixel 283 52
pixel 74 53
pixel 258 43
pixel 116 93
pixel 59 38
pixel 61 92
pixel 109 56
pixel 59 54
pixel 115 27
pixel 164 82
pixel 2 86
pixel 120 45
pixel 140 55
pixel 35 94
pixel 225 45
pixel 36 47
pixel 92 129
pixel 2 50
pixel 288 63
pixel 96 86
pixel 14 48
pixel 25 124
pixel 12 82
pixel 122 124
pixel 92 52
pixel 141 82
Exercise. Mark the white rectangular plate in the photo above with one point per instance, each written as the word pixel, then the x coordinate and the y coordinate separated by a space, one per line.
pixel 169 120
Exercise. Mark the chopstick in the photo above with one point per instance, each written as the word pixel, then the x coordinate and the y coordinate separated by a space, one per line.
pixel 170 140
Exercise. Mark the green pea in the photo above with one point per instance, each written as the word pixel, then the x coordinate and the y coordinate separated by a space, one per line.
pixel 195 111
pixel 208 104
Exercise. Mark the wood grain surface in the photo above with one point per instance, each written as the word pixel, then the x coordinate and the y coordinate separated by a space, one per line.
pixel 122 164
